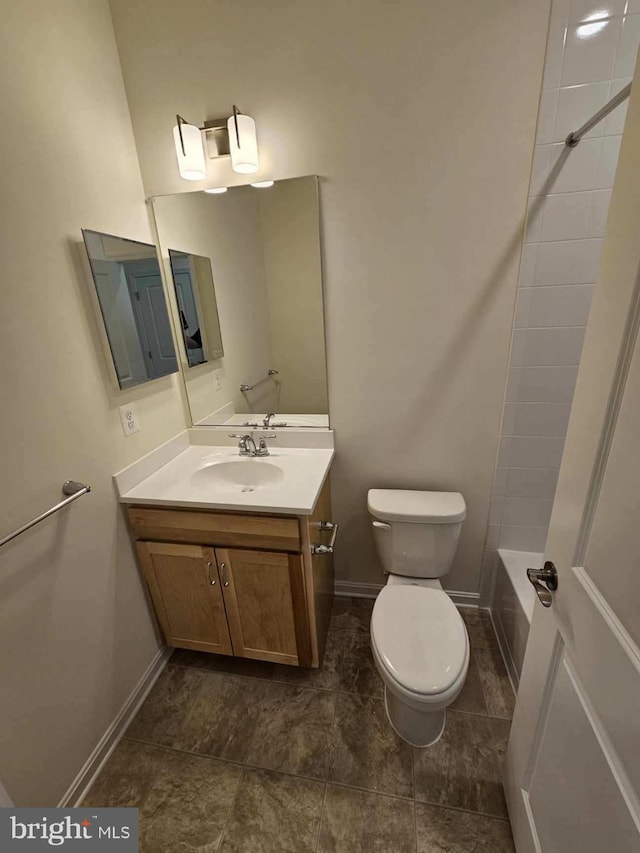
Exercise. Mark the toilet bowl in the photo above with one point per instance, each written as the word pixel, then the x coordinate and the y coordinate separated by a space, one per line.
pixel 418 638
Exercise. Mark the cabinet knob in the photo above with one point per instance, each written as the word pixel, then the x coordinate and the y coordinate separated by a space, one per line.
pixel 211 580
pixel 225 582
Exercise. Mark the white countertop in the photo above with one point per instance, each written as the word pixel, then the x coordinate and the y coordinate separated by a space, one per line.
pixel 184 482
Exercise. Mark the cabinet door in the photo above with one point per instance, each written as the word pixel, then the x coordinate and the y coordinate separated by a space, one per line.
pixel 185 588
pixel 266 605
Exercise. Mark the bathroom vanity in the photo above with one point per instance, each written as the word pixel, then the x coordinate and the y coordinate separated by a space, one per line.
pixel 234 568
pixel 225 542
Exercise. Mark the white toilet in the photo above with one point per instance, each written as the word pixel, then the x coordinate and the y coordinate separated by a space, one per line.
pixel 419 640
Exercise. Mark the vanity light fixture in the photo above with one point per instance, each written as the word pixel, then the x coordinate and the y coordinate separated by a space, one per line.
pixel 262 184
pixel 234 137
pixel 216 190
pixel 189 151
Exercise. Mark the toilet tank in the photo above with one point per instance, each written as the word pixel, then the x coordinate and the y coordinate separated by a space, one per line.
pixel 416 550
pixel 416 533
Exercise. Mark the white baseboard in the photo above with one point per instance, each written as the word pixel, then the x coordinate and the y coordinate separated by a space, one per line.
pixel 357 590
pixel 505 651
pixel 464 599
pixel 371 590
pixel 111 738
pixel 5 799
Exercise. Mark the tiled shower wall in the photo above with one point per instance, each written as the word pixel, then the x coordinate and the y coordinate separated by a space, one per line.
pixel 591 54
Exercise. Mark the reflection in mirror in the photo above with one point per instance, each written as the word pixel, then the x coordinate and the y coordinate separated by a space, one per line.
pixel 197 309
pixel 128 283
pixel 264 251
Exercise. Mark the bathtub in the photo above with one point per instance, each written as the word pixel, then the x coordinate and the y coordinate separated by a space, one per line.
pixel 512 607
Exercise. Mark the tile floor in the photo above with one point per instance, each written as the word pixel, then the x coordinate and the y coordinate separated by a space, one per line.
pixel 243 756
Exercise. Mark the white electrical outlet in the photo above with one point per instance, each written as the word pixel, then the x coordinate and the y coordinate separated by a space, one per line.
pixel 217 381
pixel 129 419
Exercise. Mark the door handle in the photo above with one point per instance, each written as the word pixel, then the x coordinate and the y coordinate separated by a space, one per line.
pixel 548 576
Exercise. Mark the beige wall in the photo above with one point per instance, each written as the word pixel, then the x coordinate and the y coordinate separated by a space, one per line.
pixel 420 116
pixel 225 229
pixel 75 632
pixel 289 220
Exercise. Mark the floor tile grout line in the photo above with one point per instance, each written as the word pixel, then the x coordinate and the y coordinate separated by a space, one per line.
pixel 208 671
pixel 413 785
pixel 189 752
pixel 254 767
pixel 245 766
pixel 460 810
pixel 241 779
pixel 434 804
pixel 333 721
pixel 249 766
pixel 318 833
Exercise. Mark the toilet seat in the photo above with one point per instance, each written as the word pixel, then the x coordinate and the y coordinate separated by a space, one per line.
pixel 421 642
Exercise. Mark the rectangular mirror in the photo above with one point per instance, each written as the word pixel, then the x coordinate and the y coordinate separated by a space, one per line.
pixel 246 270
pixel 129 288
pixel 197 308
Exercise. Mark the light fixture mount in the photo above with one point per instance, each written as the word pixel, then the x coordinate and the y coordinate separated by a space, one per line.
pixel 234 136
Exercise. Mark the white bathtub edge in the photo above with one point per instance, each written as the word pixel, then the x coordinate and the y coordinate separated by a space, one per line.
pixel 516 564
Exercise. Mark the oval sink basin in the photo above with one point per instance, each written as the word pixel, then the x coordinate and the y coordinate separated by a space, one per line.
pixel 248 474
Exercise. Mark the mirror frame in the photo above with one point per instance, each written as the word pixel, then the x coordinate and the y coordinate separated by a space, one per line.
pixel 101 323
pixel 187 370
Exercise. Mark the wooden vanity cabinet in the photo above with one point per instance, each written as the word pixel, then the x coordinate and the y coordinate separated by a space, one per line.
pixel 238 583
pixel 187 595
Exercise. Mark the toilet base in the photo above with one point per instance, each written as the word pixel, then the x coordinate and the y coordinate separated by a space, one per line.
pixel 417 728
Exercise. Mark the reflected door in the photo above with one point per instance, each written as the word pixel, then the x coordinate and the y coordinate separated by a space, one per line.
pixel 150 309
pixel 189 316
pixel 120 322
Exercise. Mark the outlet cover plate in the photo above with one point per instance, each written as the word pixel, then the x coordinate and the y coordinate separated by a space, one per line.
pixel 129 419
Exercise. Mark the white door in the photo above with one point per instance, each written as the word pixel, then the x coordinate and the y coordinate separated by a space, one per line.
pixel 572 775
pixel 189 319
pixel 150 308
pixel 119 321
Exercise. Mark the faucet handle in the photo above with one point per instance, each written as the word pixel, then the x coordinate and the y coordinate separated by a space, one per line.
pixel 272 435
pixel 263 449
pixel 244 438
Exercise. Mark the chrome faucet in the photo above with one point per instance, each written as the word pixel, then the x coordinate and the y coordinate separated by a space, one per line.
pixel 247 444
pixel 266 422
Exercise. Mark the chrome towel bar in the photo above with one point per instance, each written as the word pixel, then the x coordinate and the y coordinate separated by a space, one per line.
pixel 69 487
pixel 270 373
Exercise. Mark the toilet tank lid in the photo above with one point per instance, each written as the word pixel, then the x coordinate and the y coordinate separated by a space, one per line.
pixel 414 506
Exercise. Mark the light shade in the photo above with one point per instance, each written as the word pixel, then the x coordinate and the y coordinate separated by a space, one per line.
pixel 244 157
pixel 191 164
pixel 261 184
pixel 216 190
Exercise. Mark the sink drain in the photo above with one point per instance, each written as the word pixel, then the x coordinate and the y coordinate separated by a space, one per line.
pixel 247 489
